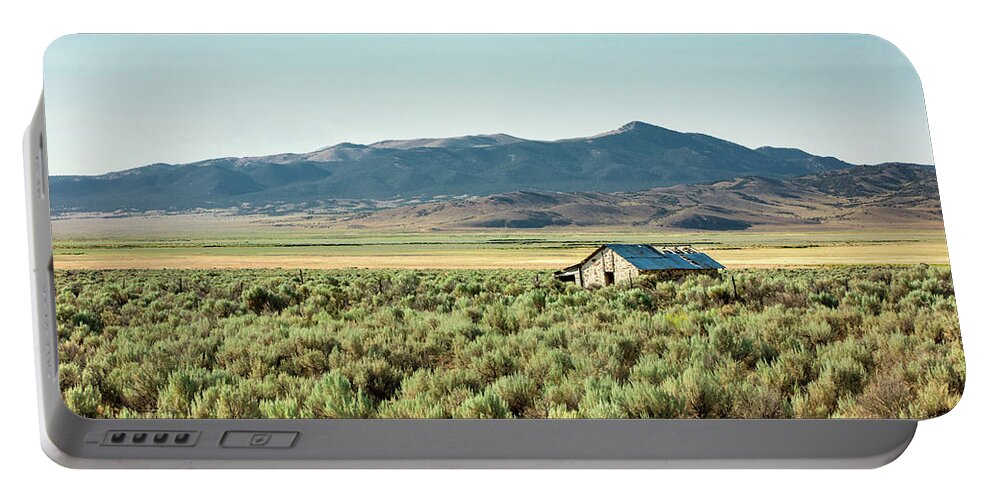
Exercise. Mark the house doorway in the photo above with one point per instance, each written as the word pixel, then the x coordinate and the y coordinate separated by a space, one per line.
pixel 608 277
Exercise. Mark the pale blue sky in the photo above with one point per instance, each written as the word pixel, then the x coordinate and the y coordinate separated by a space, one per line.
pixel 120 101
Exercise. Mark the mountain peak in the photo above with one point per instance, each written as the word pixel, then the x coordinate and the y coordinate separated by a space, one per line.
pixel 632 127
pixel 637 125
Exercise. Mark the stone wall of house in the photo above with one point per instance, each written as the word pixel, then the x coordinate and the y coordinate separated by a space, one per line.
pixel 624 271
pixel 592 269
pixel 607 261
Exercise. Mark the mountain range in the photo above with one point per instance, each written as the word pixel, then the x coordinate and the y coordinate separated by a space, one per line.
pixel 635 157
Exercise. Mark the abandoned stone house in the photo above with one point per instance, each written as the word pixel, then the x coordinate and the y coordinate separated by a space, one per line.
pixel 613 263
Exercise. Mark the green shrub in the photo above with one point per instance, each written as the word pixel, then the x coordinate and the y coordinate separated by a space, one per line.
pixel 518 392
pixel 566 394
pixel 887 395
pixel 817 400
pixel 181 387
pixel 757 401
pixel 703 393
pixel 651 370
pixel 84 400
pixel 236 402
pixel 259 299
pixel 333 397
pixel 486 405
pixel 421 406
pixel 932 400
pixel 826 299
pixel 599 399
pixel 373 377
pixel 280 408
pixel 641 400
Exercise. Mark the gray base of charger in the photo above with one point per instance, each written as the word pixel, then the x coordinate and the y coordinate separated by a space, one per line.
pixel 75 441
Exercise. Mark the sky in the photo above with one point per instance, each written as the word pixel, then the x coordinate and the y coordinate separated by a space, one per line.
pixel 114 102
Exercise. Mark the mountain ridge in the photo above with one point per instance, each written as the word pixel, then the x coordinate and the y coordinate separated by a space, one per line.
pixel 635 156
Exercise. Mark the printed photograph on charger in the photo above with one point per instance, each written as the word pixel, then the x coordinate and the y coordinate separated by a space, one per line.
pixel 483 226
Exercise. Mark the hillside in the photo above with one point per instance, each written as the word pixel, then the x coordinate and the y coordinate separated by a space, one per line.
pixel 635 156
pixel 895 195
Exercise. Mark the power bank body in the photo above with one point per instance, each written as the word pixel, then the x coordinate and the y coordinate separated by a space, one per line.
pixel 361 427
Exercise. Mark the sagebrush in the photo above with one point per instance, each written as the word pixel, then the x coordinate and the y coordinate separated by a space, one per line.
pixel 846 341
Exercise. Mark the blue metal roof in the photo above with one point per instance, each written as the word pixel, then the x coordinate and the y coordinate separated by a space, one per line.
pixel 703 260
pixel 649 258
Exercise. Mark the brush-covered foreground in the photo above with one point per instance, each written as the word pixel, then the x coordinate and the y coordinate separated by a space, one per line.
pixel 858 342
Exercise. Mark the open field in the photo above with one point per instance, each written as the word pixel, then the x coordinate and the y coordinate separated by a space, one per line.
pixel 202 242
pixel 840 342
pixel 447 256
pixel 914 252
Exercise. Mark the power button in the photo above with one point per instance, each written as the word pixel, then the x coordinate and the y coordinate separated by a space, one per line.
pixel 251 439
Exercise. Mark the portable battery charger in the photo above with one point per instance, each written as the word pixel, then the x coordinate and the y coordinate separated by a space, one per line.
pixel 492 251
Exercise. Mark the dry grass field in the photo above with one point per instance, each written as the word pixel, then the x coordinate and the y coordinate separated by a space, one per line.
pixel 211 242
pixel 431 256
